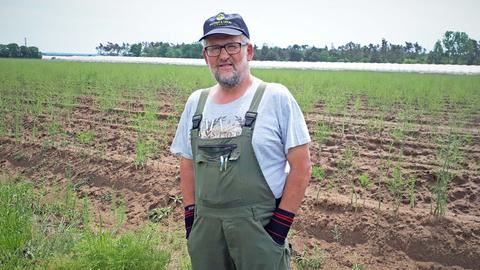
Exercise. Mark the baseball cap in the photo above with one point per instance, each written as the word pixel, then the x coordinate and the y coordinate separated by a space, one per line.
pixel 227 24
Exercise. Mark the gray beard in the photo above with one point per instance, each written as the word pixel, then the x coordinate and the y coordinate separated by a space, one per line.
pixel 231 82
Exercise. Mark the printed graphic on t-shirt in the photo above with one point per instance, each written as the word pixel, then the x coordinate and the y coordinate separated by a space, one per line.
pixel 221 127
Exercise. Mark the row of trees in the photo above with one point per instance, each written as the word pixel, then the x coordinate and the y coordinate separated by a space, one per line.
pixel 13 50
pixel 453 48
pixel 152 49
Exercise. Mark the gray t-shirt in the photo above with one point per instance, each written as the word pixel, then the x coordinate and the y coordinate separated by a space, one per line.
pixel 279 126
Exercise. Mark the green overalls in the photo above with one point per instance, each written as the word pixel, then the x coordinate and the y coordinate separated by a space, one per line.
pixel 233 202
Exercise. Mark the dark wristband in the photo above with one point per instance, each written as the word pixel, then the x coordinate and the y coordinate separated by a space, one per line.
pixel 189 213
pixel 280 225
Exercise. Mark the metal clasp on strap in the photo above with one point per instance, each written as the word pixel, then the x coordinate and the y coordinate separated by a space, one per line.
pixel 196 119
pixel 250 118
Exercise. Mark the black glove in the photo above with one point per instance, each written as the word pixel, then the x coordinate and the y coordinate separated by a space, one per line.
pixel 280 225
pixel 189 217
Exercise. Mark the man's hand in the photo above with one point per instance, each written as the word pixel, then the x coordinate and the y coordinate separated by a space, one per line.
pixel 280 225
pixel 293 193
pixel 189 218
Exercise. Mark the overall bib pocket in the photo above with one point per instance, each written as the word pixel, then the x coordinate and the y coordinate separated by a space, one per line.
pixel 218 154
pixel 216 165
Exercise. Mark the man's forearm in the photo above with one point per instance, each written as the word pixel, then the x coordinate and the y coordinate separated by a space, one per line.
pixel 187 181
pixel 297 179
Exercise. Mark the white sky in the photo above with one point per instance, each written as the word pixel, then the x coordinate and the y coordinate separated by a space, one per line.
pixel 80 25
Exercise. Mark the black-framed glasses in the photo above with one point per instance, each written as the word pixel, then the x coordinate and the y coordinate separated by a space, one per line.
pixel 231 48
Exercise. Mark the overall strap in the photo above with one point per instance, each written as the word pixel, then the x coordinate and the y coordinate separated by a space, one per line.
pixel 251 114
pixel 197 117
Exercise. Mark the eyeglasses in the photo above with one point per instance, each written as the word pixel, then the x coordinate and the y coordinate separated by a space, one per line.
pixel 230 48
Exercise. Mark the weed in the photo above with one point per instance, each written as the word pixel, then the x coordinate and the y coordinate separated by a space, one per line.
pixel 177 199
pixel 47 144
pixel 157 214
pixel 449 156
pixel 318 173
pixel 85 137
pixel 412 191
pixel 365 183
pixel 336 234
pixel 396 186
pixel 86 215
pixel 16 222
pixel 118 210
pixel 106 197
pixel 143 150
pixel 357 266
pixel 322 131
pixel 54 129
pixel 316 260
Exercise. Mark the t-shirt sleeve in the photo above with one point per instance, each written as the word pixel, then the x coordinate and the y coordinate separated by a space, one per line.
pixel 181 145
pixel 293 128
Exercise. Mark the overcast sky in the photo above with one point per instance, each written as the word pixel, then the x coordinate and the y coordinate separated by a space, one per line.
pixel 80 25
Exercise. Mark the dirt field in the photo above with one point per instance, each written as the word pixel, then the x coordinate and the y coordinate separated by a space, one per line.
pixel 367 233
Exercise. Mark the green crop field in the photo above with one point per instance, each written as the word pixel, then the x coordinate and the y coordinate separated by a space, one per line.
pixel 87 177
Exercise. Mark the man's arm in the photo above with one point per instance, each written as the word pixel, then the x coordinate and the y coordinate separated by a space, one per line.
pixel 297 180
pixel 187 181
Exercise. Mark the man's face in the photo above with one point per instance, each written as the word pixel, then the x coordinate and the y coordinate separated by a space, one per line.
pixel 228 69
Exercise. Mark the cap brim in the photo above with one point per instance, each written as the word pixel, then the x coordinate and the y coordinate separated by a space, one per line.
pixel 223 31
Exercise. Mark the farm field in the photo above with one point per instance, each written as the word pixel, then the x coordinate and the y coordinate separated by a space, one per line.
pixel 396 175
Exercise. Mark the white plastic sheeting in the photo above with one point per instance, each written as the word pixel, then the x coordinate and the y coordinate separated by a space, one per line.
pixel 421 68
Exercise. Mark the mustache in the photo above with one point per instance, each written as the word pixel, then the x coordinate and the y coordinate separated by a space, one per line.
pixel 227 62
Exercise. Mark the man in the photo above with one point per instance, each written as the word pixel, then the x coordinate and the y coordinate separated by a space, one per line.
pixel 235 139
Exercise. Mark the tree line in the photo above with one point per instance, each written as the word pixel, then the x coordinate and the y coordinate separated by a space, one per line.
pixel 12 50
pixel 452 48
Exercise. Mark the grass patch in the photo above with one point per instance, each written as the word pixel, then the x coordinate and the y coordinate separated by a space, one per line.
pixel 36 233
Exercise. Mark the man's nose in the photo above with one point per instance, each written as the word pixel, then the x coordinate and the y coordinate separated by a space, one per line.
pixel 223 53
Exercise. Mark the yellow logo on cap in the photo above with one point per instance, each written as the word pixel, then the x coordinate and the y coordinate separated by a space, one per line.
pixel 220 17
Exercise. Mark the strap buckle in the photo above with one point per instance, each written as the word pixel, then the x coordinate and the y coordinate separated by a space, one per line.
pixel 196 119
pixel 250 118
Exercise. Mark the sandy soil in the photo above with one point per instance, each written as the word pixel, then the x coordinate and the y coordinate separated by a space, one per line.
pixel 367 232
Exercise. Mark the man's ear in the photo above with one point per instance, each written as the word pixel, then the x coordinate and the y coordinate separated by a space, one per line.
pixel 250 52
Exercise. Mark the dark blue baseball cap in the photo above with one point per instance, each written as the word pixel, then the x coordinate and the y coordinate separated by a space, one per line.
pixel 227 24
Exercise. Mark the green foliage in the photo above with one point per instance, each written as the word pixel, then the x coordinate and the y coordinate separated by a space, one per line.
pixel 12 50
pixel 412 189
pixel 396 186
pixel 54 128
pixel 449 156
pixel 306 261
pixel 85 137
pixel 322 131
pixel 143 150
pixel 398 134
pixel 146 122
pixel 460 49
pixel 346 161
pixel 357 266
pixel 36 234
pixel 318 173
pixel 127 251
pixel 336 234
pixel 16 221
pixel 157 214
pixel 365 181
pixel 457 48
